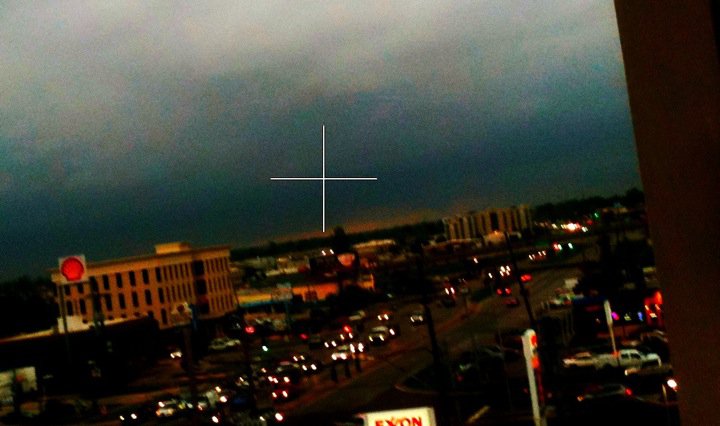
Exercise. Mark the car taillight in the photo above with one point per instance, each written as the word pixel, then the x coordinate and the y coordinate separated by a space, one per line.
pixel 628 391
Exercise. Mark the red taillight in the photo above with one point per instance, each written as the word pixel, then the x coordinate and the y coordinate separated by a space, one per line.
pixel 347 329
pixel 508 291
pixel 499 291
pixel 303 336
pixel 628 391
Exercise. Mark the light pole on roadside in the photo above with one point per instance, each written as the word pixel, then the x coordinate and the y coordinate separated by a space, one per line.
pixel 523 289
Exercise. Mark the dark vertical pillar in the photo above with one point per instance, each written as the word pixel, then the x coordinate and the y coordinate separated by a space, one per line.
pixel 670 51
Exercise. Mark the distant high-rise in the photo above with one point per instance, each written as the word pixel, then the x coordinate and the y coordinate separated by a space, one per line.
pixel 477 224
pixel 153 285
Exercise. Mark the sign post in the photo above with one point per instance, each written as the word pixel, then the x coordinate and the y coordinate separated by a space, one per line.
pixel 609 320
pixel 532 363
pixel 73 269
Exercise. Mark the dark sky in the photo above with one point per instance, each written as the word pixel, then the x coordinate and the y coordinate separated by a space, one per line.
pixel 125 124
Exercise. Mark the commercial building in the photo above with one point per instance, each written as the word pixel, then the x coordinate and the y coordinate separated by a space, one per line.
pixel 477 224
pixel 154 285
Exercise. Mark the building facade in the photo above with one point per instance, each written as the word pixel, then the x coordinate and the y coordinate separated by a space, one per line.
pixel 477 224
pixel 154 285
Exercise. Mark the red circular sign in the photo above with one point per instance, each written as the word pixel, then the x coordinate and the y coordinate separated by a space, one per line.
pixel 72 269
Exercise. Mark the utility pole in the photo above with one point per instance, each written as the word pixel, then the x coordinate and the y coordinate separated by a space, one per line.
pixel 523 290
pixel 438 364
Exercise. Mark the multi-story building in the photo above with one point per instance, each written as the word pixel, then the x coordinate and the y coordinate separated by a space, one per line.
pixel 153 285
pixel 477 224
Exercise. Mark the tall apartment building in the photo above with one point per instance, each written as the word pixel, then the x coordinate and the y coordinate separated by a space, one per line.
pixel 476 224
pixel 153 285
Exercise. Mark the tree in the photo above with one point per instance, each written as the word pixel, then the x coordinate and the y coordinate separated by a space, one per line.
pixel 340 241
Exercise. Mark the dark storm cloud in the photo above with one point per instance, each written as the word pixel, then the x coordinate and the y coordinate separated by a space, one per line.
pixel 125 124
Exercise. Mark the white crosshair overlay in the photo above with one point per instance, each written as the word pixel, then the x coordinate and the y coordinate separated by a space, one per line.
pixel 323 178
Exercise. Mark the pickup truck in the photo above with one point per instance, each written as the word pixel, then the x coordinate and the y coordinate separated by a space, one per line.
pixel 625 358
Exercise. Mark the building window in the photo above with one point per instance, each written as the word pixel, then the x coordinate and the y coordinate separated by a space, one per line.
pixel 161 295
pixel 132 278
pixel 163 314
pixel 148 298
pixel 80 288
pixel 176 272
pixel 83 309
pixel 121 301
pixel 119 280
pixel 158 275
pixel 151 314
pixel 200 287
pixel 494 225
pixel 68 308
pixel 146 279
pixel 108 302
pixel 198 268
pixel 135 300
pixel 93 285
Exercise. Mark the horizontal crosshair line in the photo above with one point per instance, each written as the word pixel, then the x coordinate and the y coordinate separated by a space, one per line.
pixel 321 178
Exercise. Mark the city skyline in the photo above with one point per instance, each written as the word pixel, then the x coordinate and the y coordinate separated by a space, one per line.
pixel 126 125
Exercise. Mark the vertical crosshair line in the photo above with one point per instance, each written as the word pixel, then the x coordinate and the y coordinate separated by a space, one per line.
pixel 323 178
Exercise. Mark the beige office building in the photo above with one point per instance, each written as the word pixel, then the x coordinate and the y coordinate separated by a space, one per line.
pixel 476 224
pixel 153 285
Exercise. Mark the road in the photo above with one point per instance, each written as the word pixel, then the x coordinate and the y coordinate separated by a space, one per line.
pixel 374 388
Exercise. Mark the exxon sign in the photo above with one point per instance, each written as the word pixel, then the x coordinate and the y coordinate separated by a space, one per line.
pixel 420 416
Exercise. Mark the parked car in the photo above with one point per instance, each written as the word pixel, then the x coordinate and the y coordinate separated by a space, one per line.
pixel 379 335
pixel 223 343
pixel 315 341
pixel 604 392
pixel 579 360
pixel 417 318
pixel 624 358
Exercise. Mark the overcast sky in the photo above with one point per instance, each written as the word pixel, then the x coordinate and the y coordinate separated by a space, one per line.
pixel 125 124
